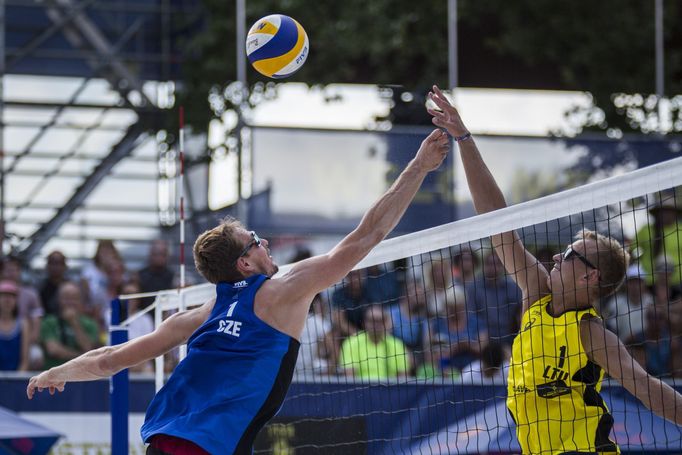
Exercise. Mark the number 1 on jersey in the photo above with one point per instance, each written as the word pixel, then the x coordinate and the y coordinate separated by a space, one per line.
pixel 230 310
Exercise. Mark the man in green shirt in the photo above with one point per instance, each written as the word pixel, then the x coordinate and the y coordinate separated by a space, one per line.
pixel 69 333
pixel 374 353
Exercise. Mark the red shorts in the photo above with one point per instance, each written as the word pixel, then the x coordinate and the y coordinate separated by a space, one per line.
pixel 171 445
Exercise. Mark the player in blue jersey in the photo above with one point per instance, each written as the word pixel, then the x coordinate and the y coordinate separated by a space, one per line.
pixel 242 346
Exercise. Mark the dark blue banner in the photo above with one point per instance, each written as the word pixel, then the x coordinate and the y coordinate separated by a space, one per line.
pixel 425 417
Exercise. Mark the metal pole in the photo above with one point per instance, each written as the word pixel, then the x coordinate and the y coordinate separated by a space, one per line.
pixel 241 43
pixel 242 212
pixel 2 124
pixel 453 81
pixel 118 385
pixel 660 84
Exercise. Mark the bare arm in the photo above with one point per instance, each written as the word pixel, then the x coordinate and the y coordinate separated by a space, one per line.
pixel 313 275
pixel 605 349
pixel 25 345
pixel 109 360
pixel 524 268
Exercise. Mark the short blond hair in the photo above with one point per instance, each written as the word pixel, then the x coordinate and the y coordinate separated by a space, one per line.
pixel 611 259
pixel 216 250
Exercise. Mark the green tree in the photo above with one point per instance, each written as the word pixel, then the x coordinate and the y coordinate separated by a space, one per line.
pixel 604 47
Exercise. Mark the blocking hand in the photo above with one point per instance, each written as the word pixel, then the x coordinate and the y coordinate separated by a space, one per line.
pixel 446 116
pixel 433 150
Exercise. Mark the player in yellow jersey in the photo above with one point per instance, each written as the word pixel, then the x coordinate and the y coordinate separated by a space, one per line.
pixel 563 349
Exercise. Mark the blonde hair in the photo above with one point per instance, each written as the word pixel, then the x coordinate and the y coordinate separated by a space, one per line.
pixel 216 250
pixel 611 260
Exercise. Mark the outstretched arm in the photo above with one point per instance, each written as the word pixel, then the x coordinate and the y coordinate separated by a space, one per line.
pixel 313 275
pixel 605 349
pixel 524 268
pixel 108 360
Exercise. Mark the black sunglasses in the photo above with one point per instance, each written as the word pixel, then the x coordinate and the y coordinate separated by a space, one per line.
pixel 570 253
pixel 255 241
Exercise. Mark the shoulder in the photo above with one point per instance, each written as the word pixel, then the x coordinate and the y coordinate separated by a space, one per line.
pixel 49 327
pixel 356 340
pixel 88 323
pixel 394 342
pixel 49 321
pixel 23 324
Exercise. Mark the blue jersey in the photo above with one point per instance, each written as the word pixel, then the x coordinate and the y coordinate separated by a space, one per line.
pixel 234 379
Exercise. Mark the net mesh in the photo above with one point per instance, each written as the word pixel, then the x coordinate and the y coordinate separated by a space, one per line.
pixel 411 352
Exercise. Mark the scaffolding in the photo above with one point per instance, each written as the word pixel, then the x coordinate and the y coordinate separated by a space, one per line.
pixel 83 89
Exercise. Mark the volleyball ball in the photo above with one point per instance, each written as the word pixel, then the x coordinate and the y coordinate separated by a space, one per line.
pixel 277 46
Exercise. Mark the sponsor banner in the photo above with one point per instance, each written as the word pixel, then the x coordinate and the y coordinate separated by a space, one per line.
pixel 441 416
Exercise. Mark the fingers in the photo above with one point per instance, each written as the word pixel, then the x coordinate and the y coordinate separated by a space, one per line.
pixel 435 134
pixel 30 389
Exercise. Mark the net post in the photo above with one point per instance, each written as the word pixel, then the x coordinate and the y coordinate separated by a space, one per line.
pixel 118 386
pixel 182 350
pixel 159 361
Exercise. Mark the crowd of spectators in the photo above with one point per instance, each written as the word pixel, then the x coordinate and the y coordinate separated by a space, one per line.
pixel 452 314
pixel 50 317
pixel 456 313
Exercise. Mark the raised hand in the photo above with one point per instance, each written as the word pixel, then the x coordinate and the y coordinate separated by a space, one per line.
pixel 42 382
pixel 446 116
pixel 433 150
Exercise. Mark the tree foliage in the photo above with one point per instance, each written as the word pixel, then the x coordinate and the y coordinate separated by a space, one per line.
pixel 604 47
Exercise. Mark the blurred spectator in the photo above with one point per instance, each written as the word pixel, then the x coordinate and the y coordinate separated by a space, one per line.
pixel 14 331
pixel 493 366
pixel 312 354
pixel 440 288
pixel 341 329
pixel 664 270
pixel 70 333
pixel 141 326
pixel 382 284
pixel 463 333
pixel 301 254
pixel 55 268
pixel 657 348
pixel 156 276
pixel 661 237
pixel 93 275
pixel 625 311
pixel 30 308
pixel 352 297
pixel 464 263
pixel 675 315
pixel 408 318
pixel 374 353
pixel 100 303
pixel 436 360
pixel 496 299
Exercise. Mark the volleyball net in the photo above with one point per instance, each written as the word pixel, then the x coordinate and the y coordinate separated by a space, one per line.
pixel 410 352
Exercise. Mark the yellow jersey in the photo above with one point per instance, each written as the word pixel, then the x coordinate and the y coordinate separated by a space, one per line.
pixel 553 388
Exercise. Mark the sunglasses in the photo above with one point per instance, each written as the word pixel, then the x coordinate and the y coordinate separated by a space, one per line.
pixel 255 241
pixel 570 253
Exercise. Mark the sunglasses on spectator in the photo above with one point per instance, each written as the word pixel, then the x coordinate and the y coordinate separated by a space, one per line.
pixel 570 253
pixel 255 241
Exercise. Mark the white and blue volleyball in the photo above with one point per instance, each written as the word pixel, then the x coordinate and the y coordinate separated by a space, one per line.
pixel 277 46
